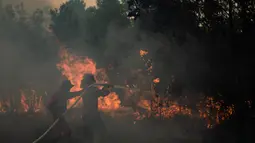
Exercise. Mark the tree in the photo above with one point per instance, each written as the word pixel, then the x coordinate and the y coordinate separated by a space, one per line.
pixel 73 21
pixel 68 19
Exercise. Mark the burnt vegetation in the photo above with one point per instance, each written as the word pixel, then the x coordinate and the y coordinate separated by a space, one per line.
pixel 206 44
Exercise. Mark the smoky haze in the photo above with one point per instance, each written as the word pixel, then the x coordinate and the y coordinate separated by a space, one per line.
pixel 28 56
pixel 207 51
pixel 32 5
pixel 30 53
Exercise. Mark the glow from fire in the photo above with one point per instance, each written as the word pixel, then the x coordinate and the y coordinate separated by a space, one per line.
pixel 109 102
pixel 23 101
pixel 156 80
pixel 74 67
pixel 143 53
pixel 29 102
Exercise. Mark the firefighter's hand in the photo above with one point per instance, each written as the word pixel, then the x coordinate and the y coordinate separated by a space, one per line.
pixel 108 87
pixel 106 91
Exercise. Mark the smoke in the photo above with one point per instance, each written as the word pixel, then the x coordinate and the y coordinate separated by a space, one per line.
pixel 28 57
pixel 120 46
pixel 125 44
pixel 32 5
pixel 169 57
pixel 28 53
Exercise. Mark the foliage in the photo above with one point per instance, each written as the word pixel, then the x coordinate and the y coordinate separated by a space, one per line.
pixel 217 32
pixel 223 28
pixel 25 28
pixel 89 24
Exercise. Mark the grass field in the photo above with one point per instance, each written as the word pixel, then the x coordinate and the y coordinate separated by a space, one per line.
pixel 25 128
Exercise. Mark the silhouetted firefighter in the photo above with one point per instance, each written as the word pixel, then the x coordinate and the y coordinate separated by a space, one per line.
pixel 57 105
pixel 93 124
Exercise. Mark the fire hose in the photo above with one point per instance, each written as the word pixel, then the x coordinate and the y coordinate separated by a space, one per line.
pixel 57 120
pixel 77 100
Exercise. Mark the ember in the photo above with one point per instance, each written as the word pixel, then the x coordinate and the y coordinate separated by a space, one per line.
pixel 156 80
pixel 143 53
pixel 74 67
pixel 214 112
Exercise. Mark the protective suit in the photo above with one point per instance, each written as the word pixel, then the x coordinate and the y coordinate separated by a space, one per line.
pixel 57 105
pixel 94 127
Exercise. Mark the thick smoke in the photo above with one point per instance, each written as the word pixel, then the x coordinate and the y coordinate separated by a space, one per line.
pixel 31 5
pixel 28 56
pixel 124 44
pixel 121 45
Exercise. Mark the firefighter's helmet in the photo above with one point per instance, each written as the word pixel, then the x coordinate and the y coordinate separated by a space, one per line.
pixel 66 84
pixel 88 79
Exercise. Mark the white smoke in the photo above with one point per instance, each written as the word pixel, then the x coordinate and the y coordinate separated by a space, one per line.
pixel 32 5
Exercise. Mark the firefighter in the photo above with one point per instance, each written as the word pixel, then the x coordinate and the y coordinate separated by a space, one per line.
pixel 57 105
pixel 93 124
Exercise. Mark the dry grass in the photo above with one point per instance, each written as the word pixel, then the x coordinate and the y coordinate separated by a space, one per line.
pixel 25 128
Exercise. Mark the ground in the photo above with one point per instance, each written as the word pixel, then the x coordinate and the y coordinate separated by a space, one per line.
pixel 25 128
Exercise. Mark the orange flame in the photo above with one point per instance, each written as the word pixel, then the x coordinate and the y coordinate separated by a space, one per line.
pixel 143 53
pixel 74 68
pixel 214 112
pixel 166 110
pixel 156 80
pixel 109 102
pixel 23 101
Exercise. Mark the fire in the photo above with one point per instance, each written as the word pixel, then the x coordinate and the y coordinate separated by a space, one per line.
pixel 156 80
pixel 166 110
pixel 109 102
pixel 4 105
pixel 29 102
pixel 74 67
pixel 147 62
pixel 214 112
pixel 23 101
pixel 143 53
pixel 145 104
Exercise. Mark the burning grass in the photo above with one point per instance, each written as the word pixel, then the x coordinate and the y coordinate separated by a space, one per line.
pixel 74 67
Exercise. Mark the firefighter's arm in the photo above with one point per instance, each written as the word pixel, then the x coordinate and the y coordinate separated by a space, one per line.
pixel 106 91
pixel 74 94
pixel 51 101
